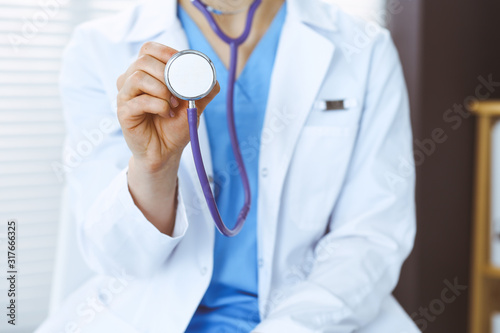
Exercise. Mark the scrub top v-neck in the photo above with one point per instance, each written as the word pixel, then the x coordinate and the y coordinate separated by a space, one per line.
pixel 230 303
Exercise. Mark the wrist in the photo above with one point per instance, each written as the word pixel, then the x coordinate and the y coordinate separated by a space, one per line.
pixel 156 169
pixel 162 179
pixel 154 193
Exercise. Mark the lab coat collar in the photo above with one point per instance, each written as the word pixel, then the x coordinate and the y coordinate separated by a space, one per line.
pixel 153 17
pixel 320 14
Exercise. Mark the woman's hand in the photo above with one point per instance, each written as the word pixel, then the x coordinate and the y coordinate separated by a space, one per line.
pixel 153 121
pixel 155 126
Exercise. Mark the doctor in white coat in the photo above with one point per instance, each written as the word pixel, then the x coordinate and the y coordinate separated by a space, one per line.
pixel 336 215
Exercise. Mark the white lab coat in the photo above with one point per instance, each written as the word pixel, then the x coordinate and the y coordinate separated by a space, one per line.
pixel 336 215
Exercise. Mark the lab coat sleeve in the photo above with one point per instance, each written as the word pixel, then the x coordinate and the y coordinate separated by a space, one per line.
pixel 357 263
pixel 112 232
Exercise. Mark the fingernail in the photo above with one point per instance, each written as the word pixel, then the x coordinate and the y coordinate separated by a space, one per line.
pixel 172 114
pixel 174 101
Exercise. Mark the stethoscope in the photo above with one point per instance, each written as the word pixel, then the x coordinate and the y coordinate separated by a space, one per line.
pixel 190 75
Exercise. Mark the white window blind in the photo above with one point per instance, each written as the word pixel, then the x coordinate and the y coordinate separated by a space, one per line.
pixel 33 34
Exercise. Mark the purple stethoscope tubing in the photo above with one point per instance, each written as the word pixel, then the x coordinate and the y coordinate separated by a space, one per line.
pixel 192 112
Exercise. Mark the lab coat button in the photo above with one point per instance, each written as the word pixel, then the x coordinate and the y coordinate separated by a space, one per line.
pixel 263 172
pixel 261 263
pixel 210 179
pixel 203 270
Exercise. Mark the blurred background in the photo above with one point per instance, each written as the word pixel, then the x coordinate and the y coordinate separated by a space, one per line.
pixel 450 52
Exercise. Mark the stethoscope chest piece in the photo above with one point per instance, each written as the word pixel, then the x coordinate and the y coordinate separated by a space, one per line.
pixel 190 75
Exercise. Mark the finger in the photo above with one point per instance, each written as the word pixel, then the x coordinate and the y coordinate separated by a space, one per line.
pixel 142 83
pixel 156 50
pixel 141 105
pixel 147 64
pixel 202 103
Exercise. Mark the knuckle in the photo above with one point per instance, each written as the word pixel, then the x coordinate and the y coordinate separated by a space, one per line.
pixel 123 111
pixel 119 82
pixel 137 77
pixel 146 46
pixel 142 61
pixel 119 98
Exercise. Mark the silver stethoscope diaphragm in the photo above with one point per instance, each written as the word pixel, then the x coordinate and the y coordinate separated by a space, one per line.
pixel 190 75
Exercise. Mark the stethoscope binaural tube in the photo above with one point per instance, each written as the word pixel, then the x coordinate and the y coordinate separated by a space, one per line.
pixel 201 90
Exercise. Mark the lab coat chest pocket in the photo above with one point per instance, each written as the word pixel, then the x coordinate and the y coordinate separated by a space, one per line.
pixel 318 167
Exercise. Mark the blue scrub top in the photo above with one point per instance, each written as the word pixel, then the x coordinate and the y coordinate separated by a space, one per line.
pixel 231 302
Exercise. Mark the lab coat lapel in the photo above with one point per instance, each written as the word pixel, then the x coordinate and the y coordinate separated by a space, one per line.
pixel 301 63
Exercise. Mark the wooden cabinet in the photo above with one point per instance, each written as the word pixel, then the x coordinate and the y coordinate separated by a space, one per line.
pixel 485 279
